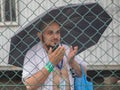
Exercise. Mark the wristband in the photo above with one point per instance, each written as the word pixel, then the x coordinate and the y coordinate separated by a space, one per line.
pixel 49 66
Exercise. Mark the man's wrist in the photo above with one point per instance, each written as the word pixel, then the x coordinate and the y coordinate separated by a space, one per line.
pixel 70 61
pixel 49 66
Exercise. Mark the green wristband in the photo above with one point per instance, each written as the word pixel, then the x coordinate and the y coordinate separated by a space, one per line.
pixel 49 66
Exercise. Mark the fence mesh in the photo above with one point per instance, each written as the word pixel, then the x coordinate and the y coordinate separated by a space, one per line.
pixel 94 25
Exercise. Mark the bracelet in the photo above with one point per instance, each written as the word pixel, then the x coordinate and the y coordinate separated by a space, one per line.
pixel 49 66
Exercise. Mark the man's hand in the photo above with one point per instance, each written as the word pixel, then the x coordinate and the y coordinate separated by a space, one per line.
pixel 72 53
pixel 56 56
pixel 74 65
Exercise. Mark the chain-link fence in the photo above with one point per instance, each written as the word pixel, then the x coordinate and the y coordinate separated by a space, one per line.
pixel 91 16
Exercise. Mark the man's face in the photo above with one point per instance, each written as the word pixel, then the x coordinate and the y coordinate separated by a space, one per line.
pixel 51 34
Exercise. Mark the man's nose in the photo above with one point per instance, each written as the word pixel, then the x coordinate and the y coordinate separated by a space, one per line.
pixel 55 35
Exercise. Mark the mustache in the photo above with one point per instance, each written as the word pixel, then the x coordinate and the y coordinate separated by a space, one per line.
pixel 55 40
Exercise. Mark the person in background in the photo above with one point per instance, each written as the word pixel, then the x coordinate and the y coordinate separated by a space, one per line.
pixel 48 69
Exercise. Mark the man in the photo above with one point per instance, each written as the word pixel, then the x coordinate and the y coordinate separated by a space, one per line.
pixel 45 69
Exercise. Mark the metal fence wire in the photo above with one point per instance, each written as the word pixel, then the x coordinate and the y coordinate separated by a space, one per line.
pixel 93 25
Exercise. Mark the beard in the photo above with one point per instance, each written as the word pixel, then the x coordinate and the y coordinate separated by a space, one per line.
pixel 53 47
pixel 50 46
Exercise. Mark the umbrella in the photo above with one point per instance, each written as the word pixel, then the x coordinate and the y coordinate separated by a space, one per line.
pixel 81 25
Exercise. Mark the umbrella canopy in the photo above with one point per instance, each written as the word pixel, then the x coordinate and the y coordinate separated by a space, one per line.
pixel 81 25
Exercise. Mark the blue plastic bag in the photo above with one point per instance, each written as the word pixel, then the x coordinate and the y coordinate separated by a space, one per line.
pixel 81 83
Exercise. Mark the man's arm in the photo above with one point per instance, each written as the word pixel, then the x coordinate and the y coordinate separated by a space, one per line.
pixel 73 64
pixel 38 79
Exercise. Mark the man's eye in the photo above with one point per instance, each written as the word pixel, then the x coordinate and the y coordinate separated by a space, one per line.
pixel 50 33
pixel 58 32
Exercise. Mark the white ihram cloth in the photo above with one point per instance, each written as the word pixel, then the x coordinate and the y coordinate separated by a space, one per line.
pixel 35 60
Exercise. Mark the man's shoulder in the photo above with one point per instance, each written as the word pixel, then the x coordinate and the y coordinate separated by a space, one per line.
pixel 37 47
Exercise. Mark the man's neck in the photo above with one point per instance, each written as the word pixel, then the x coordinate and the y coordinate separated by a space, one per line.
pixel 46 49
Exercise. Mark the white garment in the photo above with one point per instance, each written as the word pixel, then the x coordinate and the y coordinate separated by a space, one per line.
pixel 35 60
